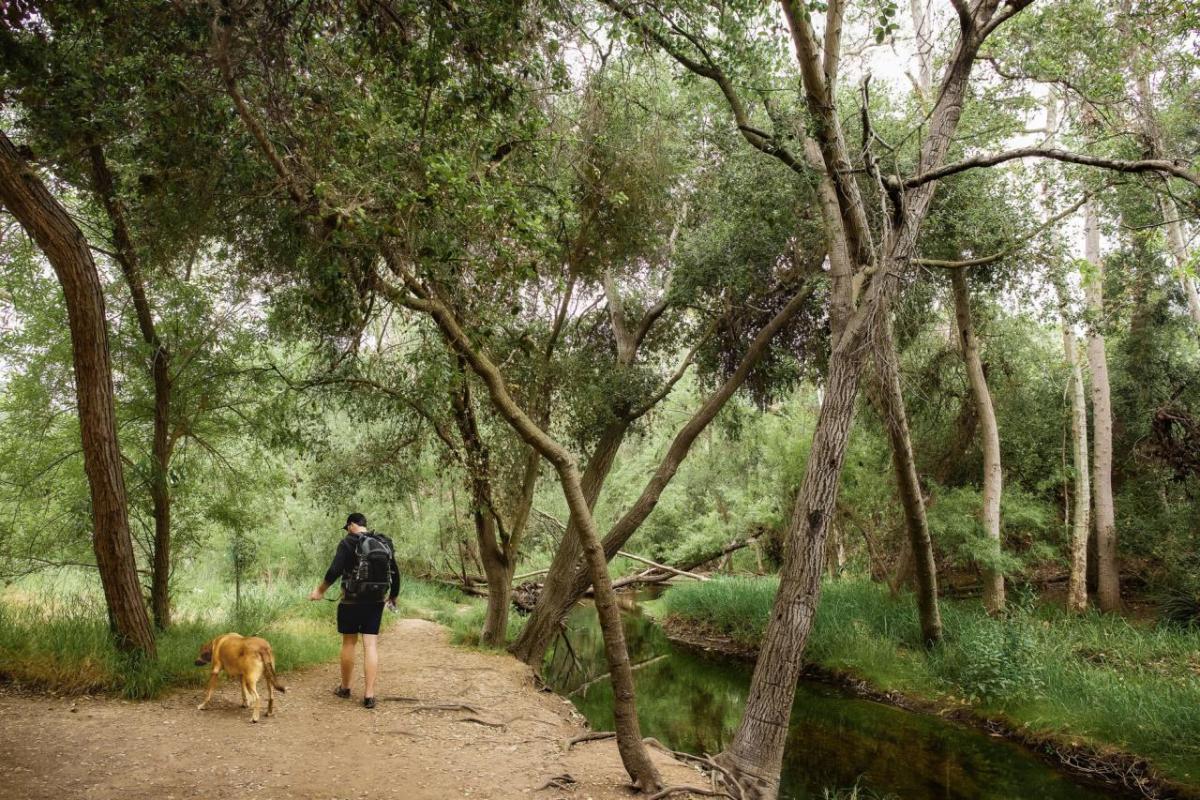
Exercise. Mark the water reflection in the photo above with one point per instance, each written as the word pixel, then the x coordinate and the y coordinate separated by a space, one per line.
pixel 691 701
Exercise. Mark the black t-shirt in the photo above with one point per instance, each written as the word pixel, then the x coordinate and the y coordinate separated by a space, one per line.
pixel 344 556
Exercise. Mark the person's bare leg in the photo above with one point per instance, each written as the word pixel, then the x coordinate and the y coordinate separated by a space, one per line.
pixel 349 645
pixel 370 663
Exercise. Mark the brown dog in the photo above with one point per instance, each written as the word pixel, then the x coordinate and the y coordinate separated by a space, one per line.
pixel 245 657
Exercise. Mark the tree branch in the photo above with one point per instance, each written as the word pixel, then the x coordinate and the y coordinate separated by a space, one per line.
pixel 1011 8
pixel 220 50
pixel 757 138
pixel 965 20
pixel 658 396
pixel 1161 166
pixel 982 260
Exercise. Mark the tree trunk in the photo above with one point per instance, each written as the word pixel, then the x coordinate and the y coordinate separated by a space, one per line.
pixel 491 541
pixel 1178 247
pixel 756 753
pixel 908 485
pixel 1143 102
pixel 498 570
pixel 567 567
pixel 552 608
pixel 1077 579
pixel 629 737
pixel 993 579
pixel 160 373
pixel 160 495
pixel 1108 586
pixel 26 197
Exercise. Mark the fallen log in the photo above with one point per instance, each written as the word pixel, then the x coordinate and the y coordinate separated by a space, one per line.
pixel 662 567
pixel 517 578
pixel 645 577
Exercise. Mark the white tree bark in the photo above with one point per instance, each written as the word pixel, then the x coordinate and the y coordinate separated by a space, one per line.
pixel 1176 243
pixel 1077 578
pixel 1108 591
pixel 989 432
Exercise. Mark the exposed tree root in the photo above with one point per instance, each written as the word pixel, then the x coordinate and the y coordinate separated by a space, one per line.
pixel 484 722
pixel 592 736
pixel 670 790
pixel 561 782
pixel 728 787
pixel 443 707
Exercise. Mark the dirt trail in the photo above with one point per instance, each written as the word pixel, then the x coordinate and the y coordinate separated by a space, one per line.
pixel 316 745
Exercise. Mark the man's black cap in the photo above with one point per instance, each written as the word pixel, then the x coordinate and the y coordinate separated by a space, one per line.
pixel 357 519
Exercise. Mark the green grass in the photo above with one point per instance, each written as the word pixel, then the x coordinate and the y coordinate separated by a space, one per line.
pixel 1093 679
pixel 62 642
pixel 54 634
pixel 446 605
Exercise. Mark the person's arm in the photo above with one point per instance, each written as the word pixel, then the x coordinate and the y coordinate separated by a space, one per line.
pixel 336 568
pixel 395 591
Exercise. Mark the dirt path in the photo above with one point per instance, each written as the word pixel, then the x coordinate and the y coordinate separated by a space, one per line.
pixel 317 746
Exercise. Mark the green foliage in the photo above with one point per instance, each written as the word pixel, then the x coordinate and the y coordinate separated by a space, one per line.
pixel 1182 608
pixel 991 662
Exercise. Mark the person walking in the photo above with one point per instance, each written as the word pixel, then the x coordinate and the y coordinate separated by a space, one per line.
pixel 365 562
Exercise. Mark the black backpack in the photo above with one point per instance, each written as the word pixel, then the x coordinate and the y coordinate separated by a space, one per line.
pixel 369 575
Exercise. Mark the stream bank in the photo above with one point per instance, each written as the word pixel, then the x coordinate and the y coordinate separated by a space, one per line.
pixel 1127 775
pixel 843 732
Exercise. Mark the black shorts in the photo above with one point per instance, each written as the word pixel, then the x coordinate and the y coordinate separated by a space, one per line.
pixel 359 617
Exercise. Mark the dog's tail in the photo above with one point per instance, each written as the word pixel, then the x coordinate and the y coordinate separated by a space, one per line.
pixel 268 659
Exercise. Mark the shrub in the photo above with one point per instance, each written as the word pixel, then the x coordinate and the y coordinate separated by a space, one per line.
pixel 991 660
pixel 1182 608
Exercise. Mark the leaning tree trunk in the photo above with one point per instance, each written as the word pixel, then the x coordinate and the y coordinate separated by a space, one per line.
pixel 993 579
pixel 891 402
pixel 1108 586
pixel 26 197
pixel 160 374
pixel 756 753
pixel 908 484
pixel 1077 578
pixel 568 567
pixel 632 749
pixel 551 610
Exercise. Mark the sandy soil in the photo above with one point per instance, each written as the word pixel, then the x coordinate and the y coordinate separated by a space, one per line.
pixel 317 745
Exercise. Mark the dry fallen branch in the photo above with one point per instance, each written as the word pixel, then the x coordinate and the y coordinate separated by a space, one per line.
pixel 662 567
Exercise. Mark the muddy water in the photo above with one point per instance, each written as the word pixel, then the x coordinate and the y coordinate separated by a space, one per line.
pixel 692 701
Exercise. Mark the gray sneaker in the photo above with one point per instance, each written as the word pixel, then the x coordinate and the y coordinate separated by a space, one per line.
pixel 342 692
pixel 368 702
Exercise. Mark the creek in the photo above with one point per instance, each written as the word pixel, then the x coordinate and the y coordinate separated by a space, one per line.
pixel 692 700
